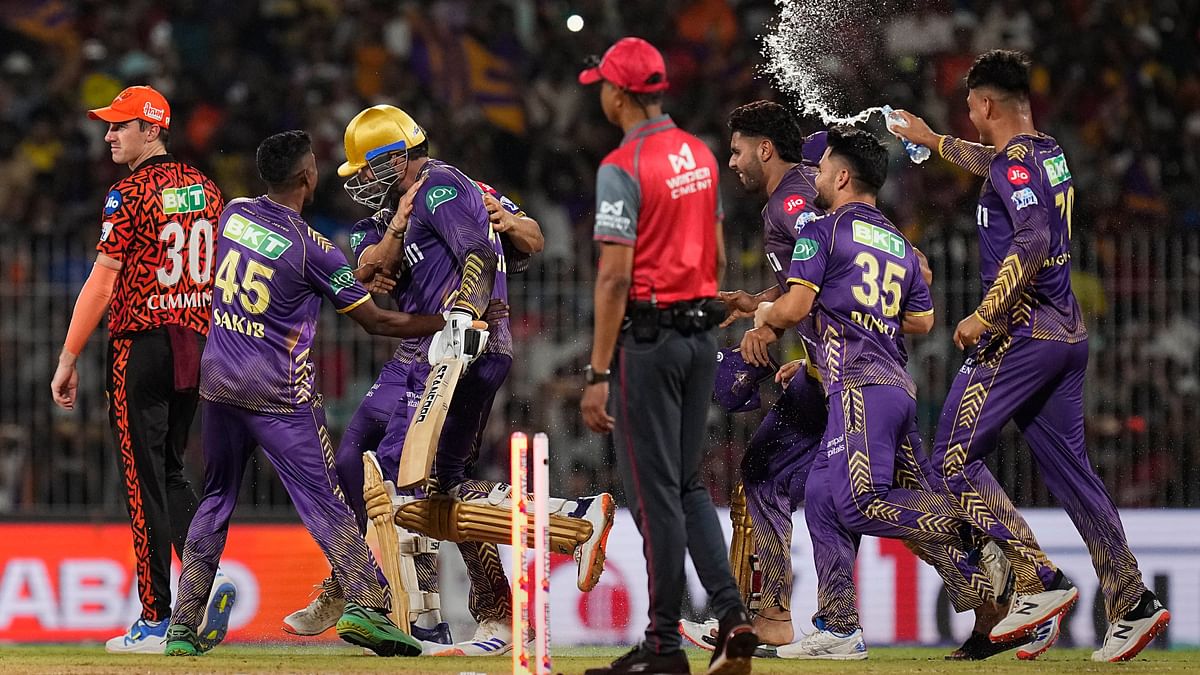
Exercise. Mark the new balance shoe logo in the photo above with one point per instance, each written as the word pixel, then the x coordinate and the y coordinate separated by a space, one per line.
pixel 1025 607
pixel 684 161
pixel 1122 631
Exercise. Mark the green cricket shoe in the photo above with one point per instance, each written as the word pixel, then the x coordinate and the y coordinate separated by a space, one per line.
pixel 182 641
pixel 368 628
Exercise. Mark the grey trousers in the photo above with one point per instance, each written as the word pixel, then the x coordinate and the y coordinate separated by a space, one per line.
pixel 660 394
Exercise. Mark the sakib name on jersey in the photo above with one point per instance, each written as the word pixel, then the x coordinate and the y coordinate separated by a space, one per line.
pixel 687 179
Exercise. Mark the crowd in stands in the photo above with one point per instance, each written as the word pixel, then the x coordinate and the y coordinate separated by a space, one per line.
pixel 494 84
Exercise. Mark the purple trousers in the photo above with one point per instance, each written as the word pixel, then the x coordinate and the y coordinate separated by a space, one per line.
pixel 1039 385
pixel 775 468
pixel 381 423
pixel 873 477
pixel 298 446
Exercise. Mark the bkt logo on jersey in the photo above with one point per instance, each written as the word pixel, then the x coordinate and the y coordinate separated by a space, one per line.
pixel 684 161
pixel 187 199
pixel 1018 175
pixel 793 204
pixel 112 202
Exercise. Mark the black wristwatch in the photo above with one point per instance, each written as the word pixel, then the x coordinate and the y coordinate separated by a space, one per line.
pixel 593 376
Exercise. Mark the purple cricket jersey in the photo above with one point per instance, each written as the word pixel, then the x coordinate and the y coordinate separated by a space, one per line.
pixel 1024 219
pixel 788 212
pixel 272 271
pixel 867 278
pixel 449 220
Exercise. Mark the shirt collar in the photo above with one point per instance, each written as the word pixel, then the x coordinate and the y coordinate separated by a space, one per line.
pixel 157 159
pixel 650 126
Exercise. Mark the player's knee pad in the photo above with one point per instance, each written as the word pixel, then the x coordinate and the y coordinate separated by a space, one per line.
pixel 445 518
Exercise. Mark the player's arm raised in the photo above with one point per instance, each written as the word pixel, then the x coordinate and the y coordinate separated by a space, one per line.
pixel 522 231
pixel 972 157
pixel 386 257
pixel 1014 181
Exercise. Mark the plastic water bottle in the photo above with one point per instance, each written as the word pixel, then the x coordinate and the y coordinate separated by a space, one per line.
pixel 917 153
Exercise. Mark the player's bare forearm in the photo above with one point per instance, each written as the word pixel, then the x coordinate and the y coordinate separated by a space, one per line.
pixel 377 321
pixel 479 275
pixel 525 234
pixel 388 254
pixel 791 308
pixel 972 157
pixel 1026 255
pixel 613 279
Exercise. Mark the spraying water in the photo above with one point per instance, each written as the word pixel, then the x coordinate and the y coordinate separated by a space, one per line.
pixel 806 33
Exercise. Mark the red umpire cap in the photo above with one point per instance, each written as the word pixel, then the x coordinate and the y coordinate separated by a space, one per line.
pixel 631 64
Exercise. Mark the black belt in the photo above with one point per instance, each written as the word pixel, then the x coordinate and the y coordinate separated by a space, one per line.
pixel 645 319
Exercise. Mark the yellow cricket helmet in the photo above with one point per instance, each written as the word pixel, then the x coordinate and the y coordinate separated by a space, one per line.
pixel 376 131
pixel 373 138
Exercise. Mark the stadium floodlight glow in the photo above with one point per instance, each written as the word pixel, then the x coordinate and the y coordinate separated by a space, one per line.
pixel 574 23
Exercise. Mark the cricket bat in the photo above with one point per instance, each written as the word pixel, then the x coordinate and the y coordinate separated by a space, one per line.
pixel 425 427
pixel 380 514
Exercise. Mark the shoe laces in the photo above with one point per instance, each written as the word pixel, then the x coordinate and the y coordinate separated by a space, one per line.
pixel 140 627
pixel 322 595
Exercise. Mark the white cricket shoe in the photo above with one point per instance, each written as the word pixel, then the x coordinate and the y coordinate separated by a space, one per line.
pixel 590 554
pixel 826 644
pixel 320 615
pixel 492 638
pixel 703 635
pixel 215 622
pixel 1127 637
pixel 1030 611
pixel 1043 639
pixel 143 637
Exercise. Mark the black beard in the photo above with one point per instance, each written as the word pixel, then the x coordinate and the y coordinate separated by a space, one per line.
pixel 821 202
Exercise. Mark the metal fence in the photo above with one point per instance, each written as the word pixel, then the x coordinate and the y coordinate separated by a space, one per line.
pixel 1141 294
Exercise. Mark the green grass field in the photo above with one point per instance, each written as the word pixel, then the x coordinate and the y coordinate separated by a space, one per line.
pixel 274 659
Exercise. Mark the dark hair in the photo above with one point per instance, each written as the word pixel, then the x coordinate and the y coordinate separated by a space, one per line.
pixel 867 157
pixel 419 150
pixel 163 134
pixel 278 156
pixel 769 120
pixel 1002 69
pixel 645 99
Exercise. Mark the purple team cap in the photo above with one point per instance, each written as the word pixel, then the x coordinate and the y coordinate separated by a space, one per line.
pixel 814 147
pixel 736 389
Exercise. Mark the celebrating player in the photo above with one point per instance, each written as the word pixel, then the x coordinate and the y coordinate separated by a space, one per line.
pixel 864 283
pixel 153 271
pixel 770 156
pixel 451 242
pixel 779 456
pixel 1027 359
pixel 257 383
